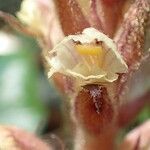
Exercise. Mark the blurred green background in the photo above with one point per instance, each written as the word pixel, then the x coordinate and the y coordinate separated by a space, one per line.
pixel 25 93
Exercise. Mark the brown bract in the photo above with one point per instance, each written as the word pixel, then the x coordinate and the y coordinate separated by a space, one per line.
pixel 130 38
pixel 93 109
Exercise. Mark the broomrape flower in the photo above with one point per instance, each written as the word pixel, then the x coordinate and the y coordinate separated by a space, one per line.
pixel 90 57
pixel 41 20
pixel 30 15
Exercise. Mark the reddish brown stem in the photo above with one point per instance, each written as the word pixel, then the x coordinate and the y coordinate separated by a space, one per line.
pixel 105 141
pixel 94 116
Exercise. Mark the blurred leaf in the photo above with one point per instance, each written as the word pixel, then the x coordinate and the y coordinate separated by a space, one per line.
pixel 20 102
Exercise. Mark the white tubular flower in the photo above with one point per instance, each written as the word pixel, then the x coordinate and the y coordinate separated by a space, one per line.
pixel 90 57
pixel 41 19
pixel 34 14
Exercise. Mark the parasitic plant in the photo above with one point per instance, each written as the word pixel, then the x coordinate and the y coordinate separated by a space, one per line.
pixel 91 49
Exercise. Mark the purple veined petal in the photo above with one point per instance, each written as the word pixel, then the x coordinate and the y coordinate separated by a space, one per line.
pixel 71 16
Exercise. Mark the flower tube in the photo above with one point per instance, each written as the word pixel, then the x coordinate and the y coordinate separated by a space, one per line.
pixel 90 58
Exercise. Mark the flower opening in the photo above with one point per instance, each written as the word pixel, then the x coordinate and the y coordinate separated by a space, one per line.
pixel 90 57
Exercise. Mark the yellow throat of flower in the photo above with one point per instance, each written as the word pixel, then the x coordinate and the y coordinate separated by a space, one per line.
pixel 92 50
pixel 92 55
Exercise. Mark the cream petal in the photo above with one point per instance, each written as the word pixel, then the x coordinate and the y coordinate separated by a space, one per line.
pixel 69 62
